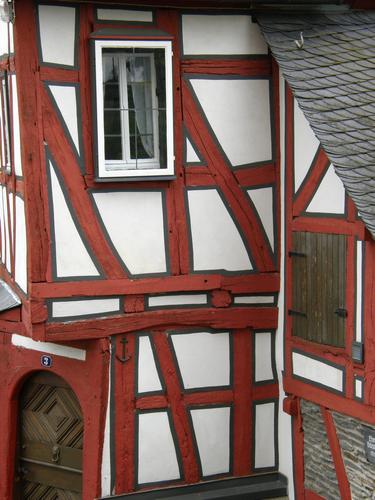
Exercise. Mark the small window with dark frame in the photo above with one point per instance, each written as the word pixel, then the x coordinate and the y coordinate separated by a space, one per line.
pixel 134 115
pixel 318 308
pixel 6 156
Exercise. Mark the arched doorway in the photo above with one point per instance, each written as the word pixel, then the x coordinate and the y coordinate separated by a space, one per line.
pixel 50 439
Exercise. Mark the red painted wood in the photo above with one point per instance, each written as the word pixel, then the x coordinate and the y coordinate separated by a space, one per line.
pixel 221 298
pixel 198 176
pixel 242 414
pixel 31 138
pixel 334 444
pixel 179 412
pixel 134 303
pixel 247 67
pixel 256 176
pixel 234 317
pixel 169 21
pixel 66 163
pixel 315 175
pixel 254 283
pixel 125 416
pixel 49 74
pixel 90 387
pixel 328 225
pixel 236 198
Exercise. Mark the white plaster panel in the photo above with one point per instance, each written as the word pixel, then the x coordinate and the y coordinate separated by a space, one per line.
pixel 148 377
pixel 191 155
pixel 221 34
pixel 263 202
pixel 238 110
pixel 142 16
pixel 212 433
pixel 106 453
pixel 72 257
pixel 305 146
pixel 265 435
pixel 330 196
pixel 135 224
pixel 2 142
pixel 157 460
pixel 16 129
pixel 49 347
pixel 317 371
pixel 57 26
pixel 217 244
pixel 359 281
pixel 177 300
pixel 263 356
pixel 253 299
pixel 21 245
pixel 62 309
pixel 203 358
pixel 11 238
pixel 358 388
pixel 6 229
pixel 3 37
pixel 66 100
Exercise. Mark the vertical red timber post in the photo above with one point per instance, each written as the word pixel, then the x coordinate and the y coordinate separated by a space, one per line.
pixel 27 70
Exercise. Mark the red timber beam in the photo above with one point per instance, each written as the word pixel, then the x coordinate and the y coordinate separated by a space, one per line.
pixel 334 444
pixel 28 79
pixel 230 317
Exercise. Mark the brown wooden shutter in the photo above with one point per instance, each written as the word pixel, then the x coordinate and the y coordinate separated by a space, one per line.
pixel 318 296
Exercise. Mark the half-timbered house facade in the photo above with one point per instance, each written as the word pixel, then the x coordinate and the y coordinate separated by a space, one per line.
pixel 185 236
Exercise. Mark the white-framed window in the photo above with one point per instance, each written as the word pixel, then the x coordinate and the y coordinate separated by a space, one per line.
pixel 134 108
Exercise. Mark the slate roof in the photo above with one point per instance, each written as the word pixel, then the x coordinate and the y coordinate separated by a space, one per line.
pixel 333 79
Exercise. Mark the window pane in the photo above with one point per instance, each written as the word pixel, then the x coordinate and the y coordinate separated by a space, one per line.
pixel 112 123
pixel 113 148
pixel 111 95
pixel 162 120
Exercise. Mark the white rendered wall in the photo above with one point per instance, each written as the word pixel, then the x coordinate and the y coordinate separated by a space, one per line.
pixel 264 435
pixel 66 100
pixel 221 34
pixel 203 358
pixel 135 224
pixel 6 228
pixel 63 309
pixel 329 198
pixel 144 16
pixel 212 434
pixel 359 292
pixel 317 371
pixel 72 257
pixel 49 348
pixel 305 146
pixel 57 29
pixel 254 299
pixel 16 129
pixel 21 245
pixel 263 356
pixel 6 38
pixel 216 242
pixel 157 460
pixel 177 300
pixel 238 110
pixel 262 199
pixel 148 377
pixel 191 155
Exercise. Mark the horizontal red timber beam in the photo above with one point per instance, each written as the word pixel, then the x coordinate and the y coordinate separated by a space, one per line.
pixel 199 176
pixel 256 176
pixel 244 67
pixel 252 283
pixel 228 318
pixel 58 74
pixel 329 225
pixel 329 400
pixel 12 327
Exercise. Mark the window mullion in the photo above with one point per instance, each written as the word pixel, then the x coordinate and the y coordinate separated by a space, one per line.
pixel 124 105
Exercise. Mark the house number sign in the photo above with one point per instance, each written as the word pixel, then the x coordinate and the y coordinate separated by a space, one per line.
pixel 46 361
pixel 370 445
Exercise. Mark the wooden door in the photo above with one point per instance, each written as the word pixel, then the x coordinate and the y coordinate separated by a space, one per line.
pixel 49 463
